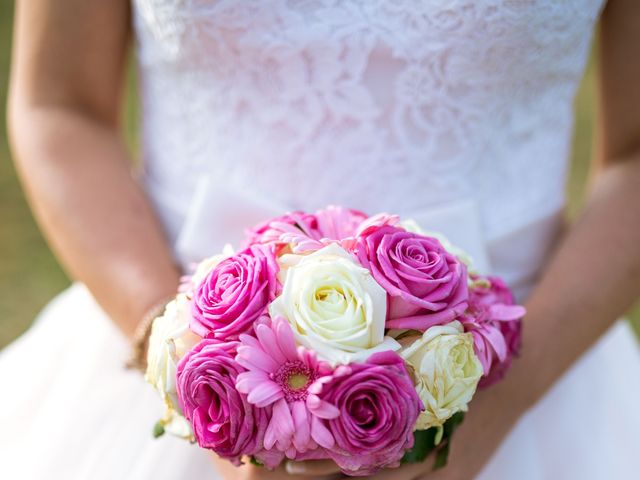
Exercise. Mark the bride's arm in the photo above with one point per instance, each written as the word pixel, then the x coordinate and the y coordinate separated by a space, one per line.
pixel 595 275
pixel 64 109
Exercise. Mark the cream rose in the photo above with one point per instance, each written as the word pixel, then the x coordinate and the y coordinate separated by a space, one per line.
pixel 447 371
pixel 170 339
pixel 334 305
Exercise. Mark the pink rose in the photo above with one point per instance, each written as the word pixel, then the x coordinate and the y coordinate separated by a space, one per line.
pixel 378 406
pixel 222 418
pixel 426 284
pixel 496 326
pixel 235 293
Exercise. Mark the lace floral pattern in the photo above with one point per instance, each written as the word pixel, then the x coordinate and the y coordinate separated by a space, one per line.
pixel 415 102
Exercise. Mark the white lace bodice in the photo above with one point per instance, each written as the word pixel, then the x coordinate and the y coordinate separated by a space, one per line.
pixel 387 105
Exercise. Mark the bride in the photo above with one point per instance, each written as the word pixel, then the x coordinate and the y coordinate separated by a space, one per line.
pixel 451 112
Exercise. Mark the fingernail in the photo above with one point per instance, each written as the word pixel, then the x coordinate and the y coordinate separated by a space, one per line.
pixel 295 468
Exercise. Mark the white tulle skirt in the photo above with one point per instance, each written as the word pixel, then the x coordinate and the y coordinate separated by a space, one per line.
pixel 69 410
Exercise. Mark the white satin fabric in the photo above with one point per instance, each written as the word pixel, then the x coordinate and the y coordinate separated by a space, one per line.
pixel 455 113
pixel 219 212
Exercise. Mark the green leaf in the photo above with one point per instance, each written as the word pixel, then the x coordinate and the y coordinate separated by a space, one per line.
pixel 441 456
pixel 424 443
pixel 452 424
pixel 408 333
pixel 255 462
pixel 158 429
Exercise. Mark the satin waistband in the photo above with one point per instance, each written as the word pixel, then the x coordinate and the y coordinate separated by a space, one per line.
pixel 219 213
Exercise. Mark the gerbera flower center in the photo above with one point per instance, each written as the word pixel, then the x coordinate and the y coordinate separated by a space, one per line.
pixel 294 377
pixel 298 381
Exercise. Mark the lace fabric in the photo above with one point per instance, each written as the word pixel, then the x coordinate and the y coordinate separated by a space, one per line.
pixel 375 104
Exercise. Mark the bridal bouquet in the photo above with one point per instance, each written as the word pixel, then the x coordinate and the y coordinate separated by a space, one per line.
pixel 331 335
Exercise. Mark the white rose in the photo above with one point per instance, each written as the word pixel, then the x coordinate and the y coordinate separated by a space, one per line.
pixel 411 225
pixel 447 372
pixel 170 339
pixel 334 305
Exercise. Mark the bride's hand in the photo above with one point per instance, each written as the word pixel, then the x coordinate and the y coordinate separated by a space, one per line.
pixel 310 470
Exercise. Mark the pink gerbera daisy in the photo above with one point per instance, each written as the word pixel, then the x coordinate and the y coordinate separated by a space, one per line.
pixel 305 231
pixel 288 378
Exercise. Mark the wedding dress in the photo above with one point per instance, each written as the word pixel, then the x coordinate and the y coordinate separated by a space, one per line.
pixel 457 113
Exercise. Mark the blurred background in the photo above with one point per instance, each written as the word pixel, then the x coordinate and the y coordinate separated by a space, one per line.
pixel 29 274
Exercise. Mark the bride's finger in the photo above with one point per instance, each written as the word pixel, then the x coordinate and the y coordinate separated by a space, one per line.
pixel 312 467
pixel 414 471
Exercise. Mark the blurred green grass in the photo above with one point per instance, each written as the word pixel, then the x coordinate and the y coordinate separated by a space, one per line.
pixel 30 276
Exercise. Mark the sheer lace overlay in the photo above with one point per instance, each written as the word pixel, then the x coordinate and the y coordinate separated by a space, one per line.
pixel 376 104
